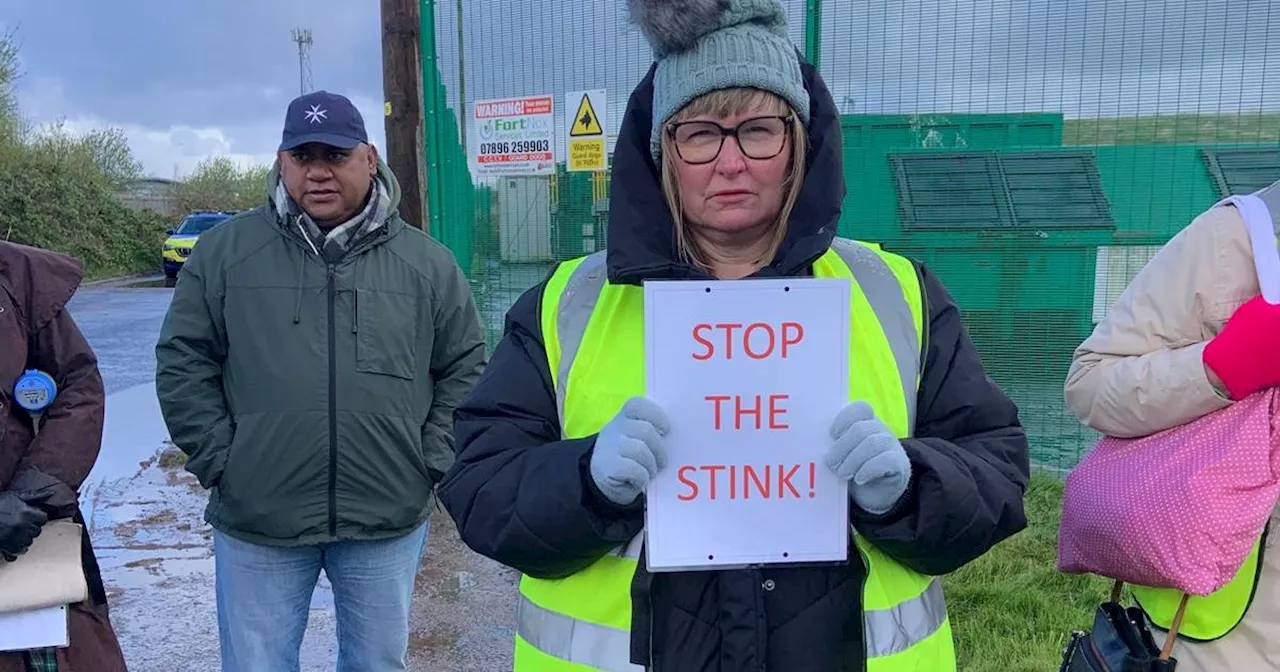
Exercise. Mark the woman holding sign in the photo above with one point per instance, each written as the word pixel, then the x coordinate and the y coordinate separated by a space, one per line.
pixel 728 166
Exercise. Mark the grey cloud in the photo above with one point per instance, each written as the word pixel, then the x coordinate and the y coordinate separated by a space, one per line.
pixel 196 62
pixel 231 64
pixel 1082 57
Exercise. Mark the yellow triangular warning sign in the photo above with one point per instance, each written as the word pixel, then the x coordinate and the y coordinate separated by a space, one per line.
pixel 585 121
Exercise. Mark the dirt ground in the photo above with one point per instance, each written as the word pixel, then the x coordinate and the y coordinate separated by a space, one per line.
pixel 157 560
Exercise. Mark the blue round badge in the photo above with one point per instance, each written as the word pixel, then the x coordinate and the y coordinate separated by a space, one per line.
pixel 35 390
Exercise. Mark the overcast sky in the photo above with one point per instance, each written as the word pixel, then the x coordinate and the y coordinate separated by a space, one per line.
pixel 195 78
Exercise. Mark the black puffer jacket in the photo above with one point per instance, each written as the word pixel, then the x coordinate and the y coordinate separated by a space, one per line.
pixel 524 498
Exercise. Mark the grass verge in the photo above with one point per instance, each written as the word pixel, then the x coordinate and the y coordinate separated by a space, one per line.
pixel 1011 609
pixel 1173 128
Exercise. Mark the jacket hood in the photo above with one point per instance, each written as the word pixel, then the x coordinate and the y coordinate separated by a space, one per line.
pixel 42 281
pixel 384 175
pixel 642 232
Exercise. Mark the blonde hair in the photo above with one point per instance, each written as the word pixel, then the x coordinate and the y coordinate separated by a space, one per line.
pixel 724 103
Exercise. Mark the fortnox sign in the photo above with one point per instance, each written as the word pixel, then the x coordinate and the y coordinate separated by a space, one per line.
pixel 517 136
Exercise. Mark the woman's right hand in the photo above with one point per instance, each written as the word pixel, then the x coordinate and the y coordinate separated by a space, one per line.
pixel 1244 355
pixel 629 450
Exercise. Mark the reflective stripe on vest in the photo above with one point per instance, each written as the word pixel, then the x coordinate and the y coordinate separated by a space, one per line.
pixel 567 639
pixel 905 619
pixel 1213 616
pixel 887 632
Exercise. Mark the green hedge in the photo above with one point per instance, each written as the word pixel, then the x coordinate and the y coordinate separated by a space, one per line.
pixel 46 203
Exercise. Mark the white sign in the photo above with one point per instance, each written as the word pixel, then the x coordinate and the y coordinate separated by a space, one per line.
pixel 34 629
pixel 517 136
pixel 584 131
pixel 752 373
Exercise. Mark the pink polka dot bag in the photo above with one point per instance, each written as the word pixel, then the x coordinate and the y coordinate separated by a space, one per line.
pixel 1178 509
pixel 1181 508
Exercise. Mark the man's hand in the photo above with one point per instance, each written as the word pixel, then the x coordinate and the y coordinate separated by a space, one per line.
pixel 19 525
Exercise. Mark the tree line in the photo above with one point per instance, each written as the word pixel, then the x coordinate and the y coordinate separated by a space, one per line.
pixel 63 191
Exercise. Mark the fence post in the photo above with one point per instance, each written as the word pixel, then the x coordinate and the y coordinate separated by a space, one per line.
pixel 812 31
pixel 462 82
pixel 431 115
pixel 402 115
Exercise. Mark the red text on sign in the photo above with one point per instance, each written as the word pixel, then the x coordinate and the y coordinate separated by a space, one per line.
pixel 751 406
pixel 734 481
pixel 759 340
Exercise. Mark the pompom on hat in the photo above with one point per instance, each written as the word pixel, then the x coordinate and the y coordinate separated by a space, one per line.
pixel 704 45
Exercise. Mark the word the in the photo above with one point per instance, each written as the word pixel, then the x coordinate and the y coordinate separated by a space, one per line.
pixel 711 481
pixel 753 407
pixel 759 340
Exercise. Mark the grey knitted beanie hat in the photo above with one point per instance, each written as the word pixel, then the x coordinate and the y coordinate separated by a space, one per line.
pixel 704 45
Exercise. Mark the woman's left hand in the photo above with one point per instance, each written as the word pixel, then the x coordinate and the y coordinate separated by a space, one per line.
pixel 865 453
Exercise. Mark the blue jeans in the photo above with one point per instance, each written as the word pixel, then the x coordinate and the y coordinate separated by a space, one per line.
pixel 264 597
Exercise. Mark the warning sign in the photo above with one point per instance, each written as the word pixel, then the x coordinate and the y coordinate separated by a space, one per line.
pixel 585 122
pixel 586 155
pixel 516 135
pixel 586 130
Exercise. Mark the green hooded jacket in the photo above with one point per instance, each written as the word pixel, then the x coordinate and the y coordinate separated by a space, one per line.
pixel 315 400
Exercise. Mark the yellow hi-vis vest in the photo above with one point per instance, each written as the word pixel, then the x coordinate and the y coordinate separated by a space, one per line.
pixel 593 332
pixel 1207 617
pixel 1212 616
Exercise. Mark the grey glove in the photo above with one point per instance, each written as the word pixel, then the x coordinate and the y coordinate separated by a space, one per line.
pixel 865 453
pixel 629 450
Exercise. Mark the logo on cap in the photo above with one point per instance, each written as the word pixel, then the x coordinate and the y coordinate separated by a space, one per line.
pixel 315 114
pixel 340 122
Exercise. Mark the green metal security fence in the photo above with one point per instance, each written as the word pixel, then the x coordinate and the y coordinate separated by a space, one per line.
pixel 1034 153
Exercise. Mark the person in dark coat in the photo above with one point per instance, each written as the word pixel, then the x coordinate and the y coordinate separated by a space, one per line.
pixel 563 504
pixel 308 367
pixel 41 472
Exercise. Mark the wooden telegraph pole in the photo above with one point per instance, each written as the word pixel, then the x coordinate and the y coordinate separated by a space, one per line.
pixel 402 91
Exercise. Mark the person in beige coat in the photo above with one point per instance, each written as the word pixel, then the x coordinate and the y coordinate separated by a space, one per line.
pixel 1143 370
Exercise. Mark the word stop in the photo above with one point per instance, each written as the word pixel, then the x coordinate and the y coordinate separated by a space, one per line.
pixel 758 340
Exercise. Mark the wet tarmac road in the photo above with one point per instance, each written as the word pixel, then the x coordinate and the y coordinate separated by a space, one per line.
pixel 122 324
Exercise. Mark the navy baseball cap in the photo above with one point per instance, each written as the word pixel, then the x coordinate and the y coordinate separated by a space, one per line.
pixel 323 117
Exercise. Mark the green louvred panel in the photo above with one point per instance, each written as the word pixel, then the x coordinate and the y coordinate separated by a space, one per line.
pixel 1241 170
pixel 949 190
pixel 1000 188
pixel 1057 189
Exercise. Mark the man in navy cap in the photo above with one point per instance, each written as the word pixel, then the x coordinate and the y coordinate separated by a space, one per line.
pixel 327 163
pixel 309 365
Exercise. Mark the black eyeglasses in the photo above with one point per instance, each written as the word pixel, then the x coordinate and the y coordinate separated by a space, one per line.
pixel 759 138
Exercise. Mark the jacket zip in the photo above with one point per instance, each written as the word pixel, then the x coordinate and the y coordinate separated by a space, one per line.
pixel 762 624
pixel 330 290
pixel 862 591
pixel 653 665
pixel 333 404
